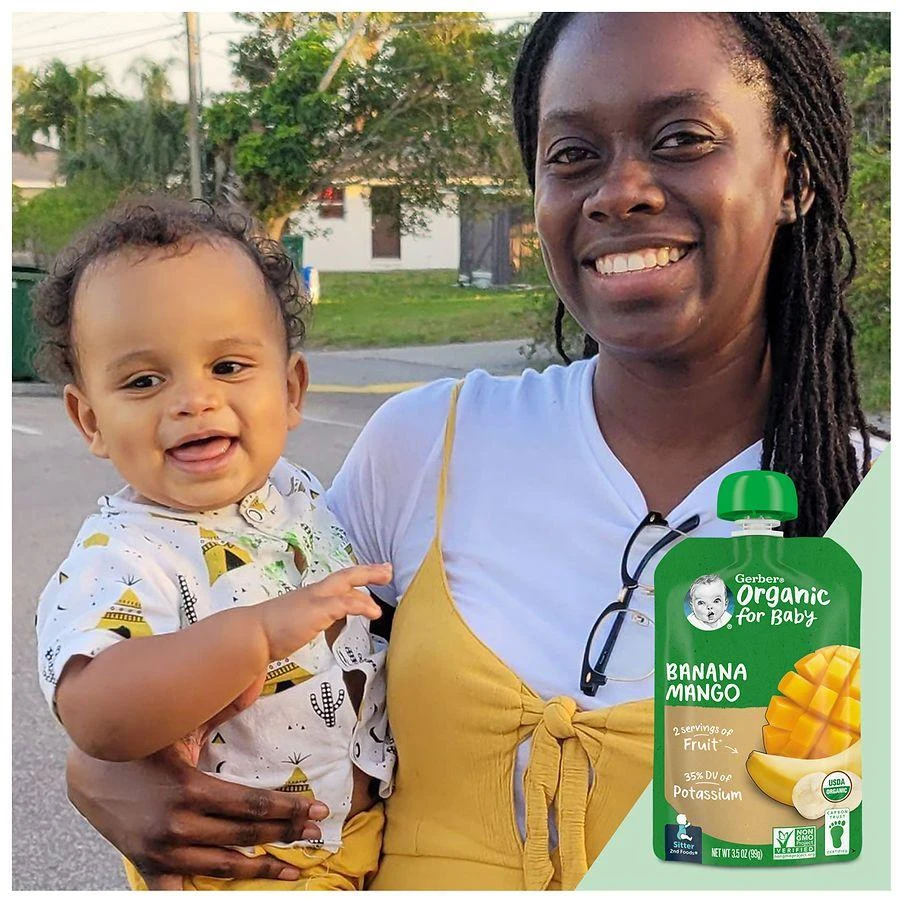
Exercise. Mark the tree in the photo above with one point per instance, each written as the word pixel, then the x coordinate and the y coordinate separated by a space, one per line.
pixel 140 144
pixel 130 144
pixel 419 100
pixel 59 104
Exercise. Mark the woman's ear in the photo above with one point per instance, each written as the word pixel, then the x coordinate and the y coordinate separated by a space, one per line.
pixel 297 383
pixel 85 419
pixel 794 164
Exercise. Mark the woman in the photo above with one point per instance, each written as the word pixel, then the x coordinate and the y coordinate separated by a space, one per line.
pixel 689 173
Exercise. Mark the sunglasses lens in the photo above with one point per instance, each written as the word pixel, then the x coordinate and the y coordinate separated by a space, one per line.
pixel 631 658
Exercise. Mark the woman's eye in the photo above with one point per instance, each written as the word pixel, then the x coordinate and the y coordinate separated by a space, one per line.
pixel 691 143
pixel 228 367
pixel 144 382
pixel 569 155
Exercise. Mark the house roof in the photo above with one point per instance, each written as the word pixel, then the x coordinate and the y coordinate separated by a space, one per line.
pixel 39 170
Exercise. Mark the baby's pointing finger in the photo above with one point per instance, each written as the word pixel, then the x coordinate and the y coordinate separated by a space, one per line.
pixel 360 576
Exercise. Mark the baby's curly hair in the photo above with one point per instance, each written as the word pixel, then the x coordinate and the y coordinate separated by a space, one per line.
pixel 151 223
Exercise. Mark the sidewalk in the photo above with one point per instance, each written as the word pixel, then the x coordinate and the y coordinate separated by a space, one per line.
pixel 398 368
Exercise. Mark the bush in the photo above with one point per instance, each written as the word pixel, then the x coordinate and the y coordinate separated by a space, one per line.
pixel 44 224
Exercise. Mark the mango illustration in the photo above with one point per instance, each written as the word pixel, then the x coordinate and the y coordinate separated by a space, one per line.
pixel 817 713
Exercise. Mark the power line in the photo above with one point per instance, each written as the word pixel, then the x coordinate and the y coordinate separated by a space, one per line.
pixel 92 40
pixel 170 37
pixel 41 28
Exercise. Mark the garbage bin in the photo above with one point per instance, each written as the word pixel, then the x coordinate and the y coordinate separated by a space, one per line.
pixel 293 243
pixel 24 278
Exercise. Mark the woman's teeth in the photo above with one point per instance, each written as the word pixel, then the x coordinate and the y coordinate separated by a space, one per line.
pixel 638 260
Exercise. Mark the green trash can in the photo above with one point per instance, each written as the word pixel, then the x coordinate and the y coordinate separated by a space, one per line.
pixel 24 278
pixel 293 243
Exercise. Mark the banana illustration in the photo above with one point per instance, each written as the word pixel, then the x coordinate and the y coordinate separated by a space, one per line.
pixel 777 775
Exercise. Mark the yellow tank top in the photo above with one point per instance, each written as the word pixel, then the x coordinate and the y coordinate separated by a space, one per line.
pixel 458 715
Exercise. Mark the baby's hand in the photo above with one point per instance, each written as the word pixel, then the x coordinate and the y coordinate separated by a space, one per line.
pixel 295 618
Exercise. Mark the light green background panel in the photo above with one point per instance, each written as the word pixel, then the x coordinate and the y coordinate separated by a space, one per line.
pixel 627 862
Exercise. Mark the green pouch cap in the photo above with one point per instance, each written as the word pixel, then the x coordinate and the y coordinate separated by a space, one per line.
pixel 757 495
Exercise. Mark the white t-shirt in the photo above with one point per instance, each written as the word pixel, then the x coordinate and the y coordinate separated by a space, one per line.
pixel 538 513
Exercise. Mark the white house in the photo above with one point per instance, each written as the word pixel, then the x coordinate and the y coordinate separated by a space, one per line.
pixel 32 174
pixel 348 235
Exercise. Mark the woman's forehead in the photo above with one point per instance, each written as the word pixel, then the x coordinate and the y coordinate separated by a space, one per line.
pixel 637 61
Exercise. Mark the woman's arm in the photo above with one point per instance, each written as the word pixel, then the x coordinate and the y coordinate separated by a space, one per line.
pixel 169 819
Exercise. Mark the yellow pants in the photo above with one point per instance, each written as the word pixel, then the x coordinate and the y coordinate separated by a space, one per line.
pixel 346 870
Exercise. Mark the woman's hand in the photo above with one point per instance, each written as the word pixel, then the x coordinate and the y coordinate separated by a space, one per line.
pixel 171 820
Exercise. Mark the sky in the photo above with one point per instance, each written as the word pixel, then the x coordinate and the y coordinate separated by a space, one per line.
pixel 114 41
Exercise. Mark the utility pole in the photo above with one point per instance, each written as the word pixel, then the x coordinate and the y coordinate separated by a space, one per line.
pixel 193 52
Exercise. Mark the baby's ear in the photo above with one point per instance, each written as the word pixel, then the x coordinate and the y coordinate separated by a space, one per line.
pixel 297 383
pixel 85 419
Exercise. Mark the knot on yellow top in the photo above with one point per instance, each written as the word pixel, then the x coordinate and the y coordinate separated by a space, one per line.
pixel 558 715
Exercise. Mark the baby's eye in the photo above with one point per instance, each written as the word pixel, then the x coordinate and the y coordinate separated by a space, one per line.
pixel 228 367
pixel 143 382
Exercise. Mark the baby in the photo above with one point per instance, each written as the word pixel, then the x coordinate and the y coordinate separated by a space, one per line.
pixel 709 603
pixel 215 595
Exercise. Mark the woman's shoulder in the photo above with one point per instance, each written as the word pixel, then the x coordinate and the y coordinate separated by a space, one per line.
pixel 486 391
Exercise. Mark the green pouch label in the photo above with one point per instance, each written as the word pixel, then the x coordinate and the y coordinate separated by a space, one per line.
pixel 758 752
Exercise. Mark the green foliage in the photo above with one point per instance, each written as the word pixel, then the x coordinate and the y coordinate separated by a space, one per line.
pixel 869 215
pixel 58 102
pixel 46 223
pixel 419 100
pixel 139 144
pixel 853 32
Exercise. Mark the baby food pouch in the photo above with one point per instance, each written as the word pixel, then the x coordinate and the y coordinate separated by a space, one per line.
pixel 758 756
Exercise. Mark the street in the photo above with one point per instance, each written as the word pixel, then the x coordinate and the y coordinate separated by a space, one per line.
pixel 56 483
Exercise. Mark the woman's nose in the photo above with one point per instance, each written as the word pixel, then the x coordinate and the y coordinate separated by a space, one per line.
pixel 625 187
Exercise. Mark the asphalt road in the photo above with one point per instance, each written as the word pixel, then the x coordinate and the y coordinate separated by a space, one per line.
pixel 56 483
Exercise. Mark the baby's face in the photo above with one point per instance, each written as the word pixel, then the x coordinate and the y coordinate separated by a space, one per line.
pixel 708 602
pixel 185 383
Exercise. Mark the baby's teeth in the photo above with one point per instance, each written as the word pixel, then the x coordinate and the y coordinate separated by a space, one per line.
pixel 662 256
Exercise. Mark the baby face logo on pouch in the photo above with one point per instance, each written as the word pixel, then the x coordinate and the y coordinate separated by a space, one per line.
pixel 709 604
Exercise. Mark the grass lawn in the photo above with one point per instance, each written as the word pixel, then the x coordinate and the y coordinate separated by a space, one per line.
pixel 394 309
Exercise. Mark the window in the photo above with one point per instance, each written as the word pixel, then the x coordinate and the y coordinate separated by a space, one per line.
pixel 385 203
pixel 331 203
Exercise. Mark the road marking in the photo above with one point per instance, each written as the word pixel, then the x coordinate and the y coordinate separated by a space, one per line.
pixel 24 429
pixel 395 388
pixel 332 422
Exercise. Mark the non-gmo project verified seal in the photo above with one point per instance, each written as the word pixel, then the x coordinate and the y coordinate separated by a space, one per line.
pixel 794 843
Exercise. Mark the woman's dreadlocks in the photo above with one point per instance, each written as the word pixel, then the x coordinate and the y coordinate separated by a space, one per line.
pixel 814 403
